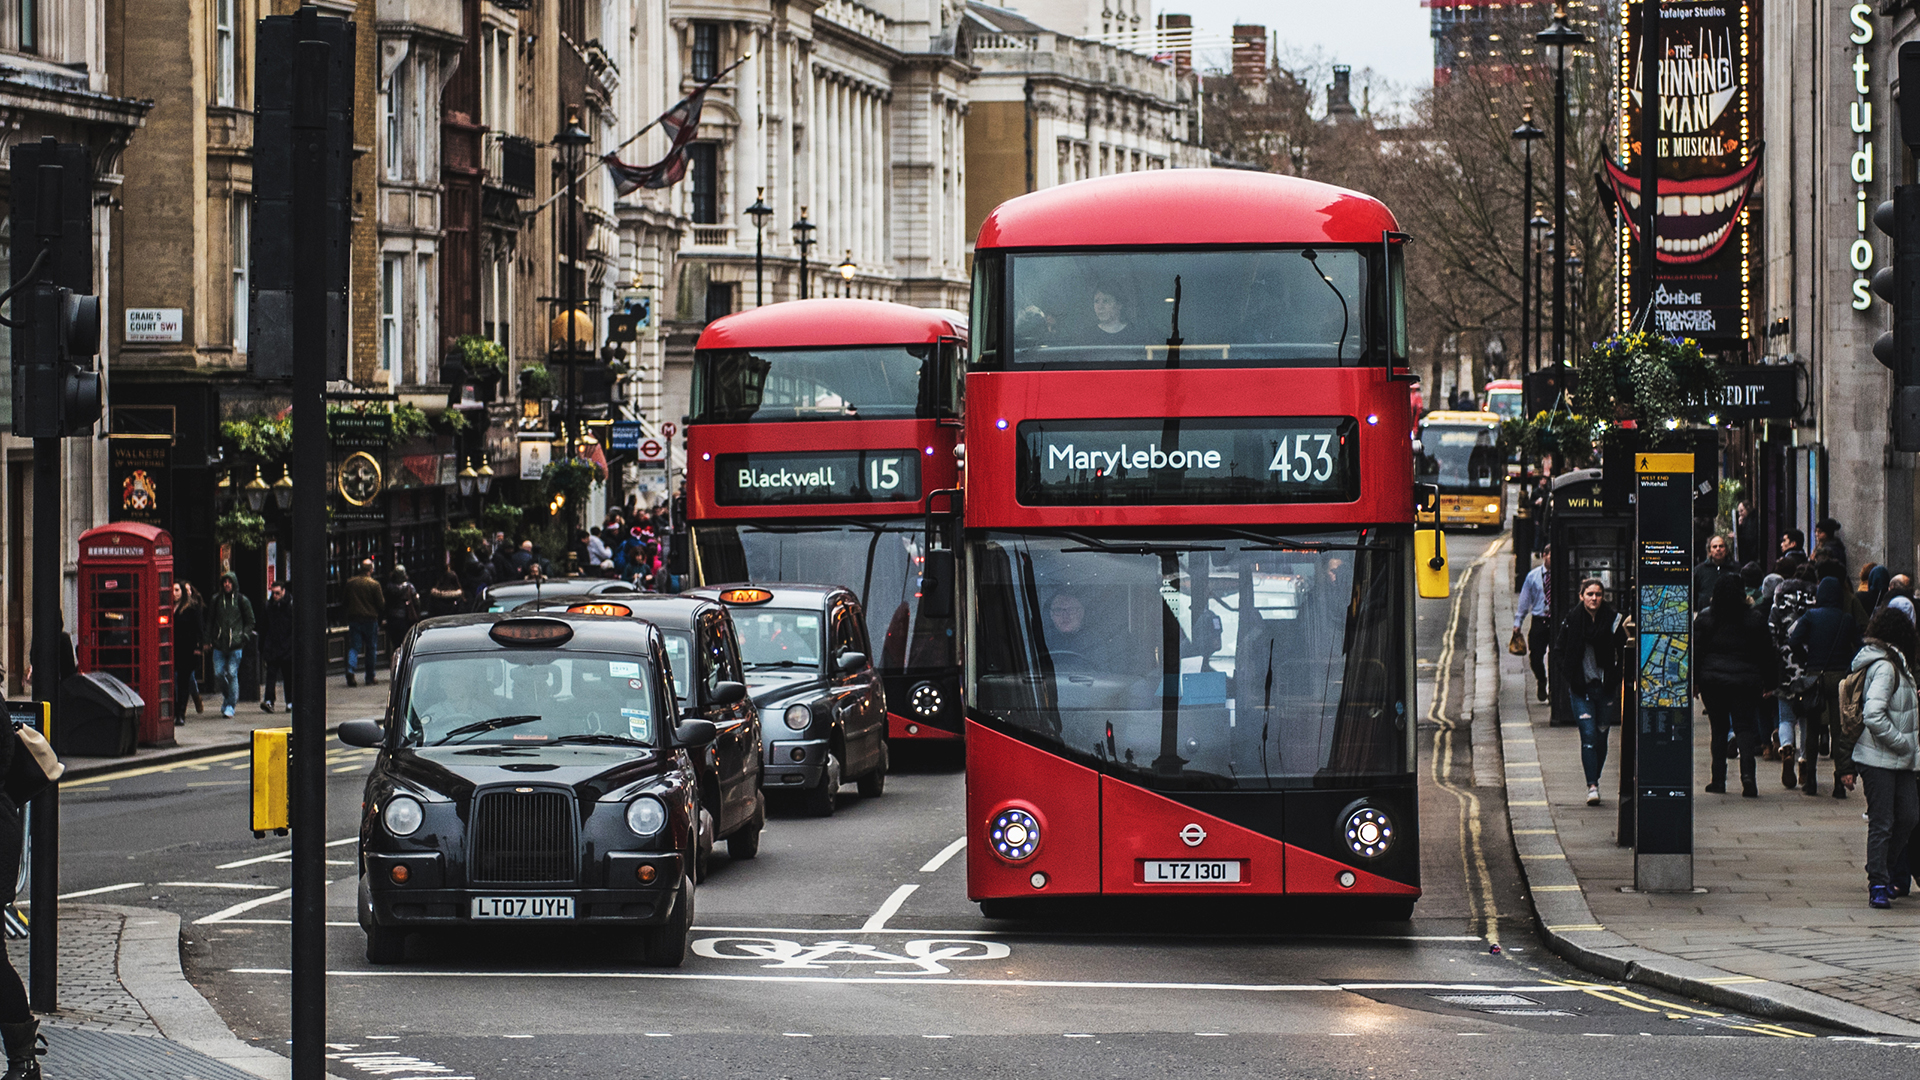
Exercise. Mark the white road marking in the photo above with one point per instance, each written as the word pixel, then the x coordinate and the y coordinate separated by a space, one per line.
pixel 878 920
pixel 280 855
pixel 946 853
pixel 282 922
pixel 213 885
pixel 102 889
pixel 244 906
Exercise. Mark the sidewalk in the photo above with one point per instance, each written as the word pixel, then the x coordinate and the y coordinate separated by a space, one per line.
pixel 128 1013
pixel 209 733
pixel 1778 925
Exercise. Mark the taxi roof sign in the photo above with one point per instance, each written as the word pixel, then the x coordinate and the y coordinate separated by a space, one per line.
pixel 534 631
pixel 599 608
pixel 745 596
pixel 1663 463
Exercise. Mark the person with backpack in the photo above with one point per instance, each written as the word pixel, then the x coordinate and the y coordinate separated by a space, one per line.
pixel 1791 599
pixel 1880 717
pixel 1735 667
pixel 1587 650
pixel 1827 641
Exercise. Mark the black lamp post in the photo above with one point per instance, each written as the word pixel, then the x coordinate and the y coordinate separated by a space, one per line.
pixel 1527 134
pixel 572 142
pixel 759 212
pixel 1558 39
pixel 803 239
pixel 847 268
pixel 1538 227
pixel 1573 286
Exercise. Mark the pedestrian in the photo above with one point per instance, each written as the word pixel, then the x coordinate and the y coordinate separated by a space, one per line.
pixel 597 550
pixel 1886 749
pixel 1827 543
pixel 19 1030
pixel 188 638
pixel 1791 599
pixel 502 560
pixel 1718 564
pixel 366 601
pixel 229 626
pixel 1746 533
pixel 473 577
pixel 1736 665
pixel 523 561
pixel 447 597
pixel 1539 506
pixel 1752 577
pixel 1874 580
pixel 276 645
pixel 1900 585
pixel 400 607
pixel 1828 641
pixel 1531 604
pixel 1793 542
pixel 1587 651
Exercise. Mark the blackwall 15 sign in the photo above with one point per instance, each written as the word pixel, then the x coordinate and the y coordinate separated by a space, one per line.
pixel 1707 163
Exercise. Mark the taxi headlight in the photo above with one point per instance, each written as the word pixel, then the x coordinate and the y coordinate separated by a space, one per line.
pixel 798 717
pixel 646 815
pixel 403 815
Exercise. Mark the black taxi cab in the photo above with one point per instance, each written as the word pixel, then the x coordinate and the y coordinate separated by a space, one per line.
pixel 705 654
pixel 534 770
pixel 807 665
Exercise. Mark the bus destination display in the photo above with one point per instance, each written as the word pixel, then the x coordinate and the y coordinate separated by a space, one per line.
pixel 827 476
pixel 1188 461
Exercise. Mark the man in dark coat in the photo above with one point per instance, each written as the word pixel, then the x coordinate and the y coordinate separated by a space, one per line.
pixel 1827 638
pixel 229 628
pixel 1718 564
pixel 276 645
pixel 365 603
pixel 1735 666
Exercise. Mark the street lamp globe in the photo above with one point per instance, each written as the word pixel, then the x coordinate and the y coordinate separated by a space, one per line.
pixel 283 488
pixel 1526 132
pixel 467 478
pixel 485 476
pixel 572 141
pixel 256 490
pixel 759 211
pixel 1558 38
pixel 1539 222
pixel 848 267
pixel 803 231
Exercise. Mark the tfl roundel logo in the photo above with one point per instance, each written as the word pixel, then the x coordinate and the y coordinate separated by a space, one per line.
pixel 1193 835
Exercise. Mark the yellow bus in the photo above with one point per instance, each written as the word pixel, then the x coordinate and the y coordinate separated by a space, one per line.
pixel 1459 452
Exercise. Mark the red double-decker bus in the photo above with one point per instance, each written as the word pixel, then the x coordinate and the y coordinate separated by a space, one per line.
pixel 1188 545
pixel 819 433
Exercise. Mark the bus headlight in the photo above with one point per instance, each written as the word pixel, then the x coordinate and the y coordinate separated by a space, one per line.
pixel 646 815
pixel 1368 832
pixel 798 717
pixel 403 815
pixel 925 700
pixel 1014 835
pixel 1493 508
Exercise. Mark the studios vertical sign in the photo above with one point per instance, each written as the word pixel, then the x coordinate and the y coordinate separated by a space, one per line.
pixel 1860 164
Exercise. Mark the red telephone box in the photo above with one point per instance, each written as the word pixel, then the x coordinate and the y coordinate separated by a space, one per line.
pixel 126 616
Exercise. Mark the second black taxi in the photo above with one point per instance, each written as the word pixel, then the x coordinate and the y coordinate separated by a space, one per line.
pixel 534 770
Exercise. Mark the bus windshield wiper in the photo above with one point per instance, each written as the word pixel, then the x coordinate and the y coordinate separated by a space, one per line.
pixel 483 726
pixel 1287 543
pixel 1140 548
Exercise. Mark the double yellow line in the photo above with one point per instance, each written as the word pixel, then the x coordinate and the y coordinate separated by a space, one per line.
pixel 1479 882
pixel 1675 1011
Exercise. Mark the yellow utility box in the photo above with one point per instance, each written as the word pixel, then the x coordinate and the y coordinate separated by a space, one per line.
pixel 271 799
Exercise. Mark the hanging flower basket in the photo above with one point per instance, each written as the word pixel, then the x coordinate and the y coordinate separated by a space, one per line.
pixel 1654 381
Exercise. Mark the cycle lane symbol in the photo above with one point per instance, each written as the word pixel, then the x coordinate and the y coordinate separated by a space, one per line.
pixel 927 956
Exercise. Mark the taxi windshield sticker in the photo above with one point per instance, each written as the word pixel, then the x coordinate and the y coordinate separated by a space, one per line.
pixel 639 723
pixel 808 622
pixel 623 671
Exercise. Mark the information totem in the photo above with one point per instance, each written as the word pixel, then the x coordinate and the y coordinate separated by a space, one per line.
pixel 1663 750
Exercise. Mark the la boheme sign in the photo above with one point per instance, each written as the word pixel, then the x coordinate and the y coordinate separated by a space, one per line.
pixel 826 476
pixel 1187 461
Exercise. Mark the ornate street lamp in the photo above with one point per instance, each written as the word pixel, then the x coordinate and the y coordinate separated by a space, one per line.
pixel 803 239
pixel 283 488
pixel 1558 39
pixel 847 268
pixel 484 476
pixel 1528 135
pixel 257 490
pixel 1537 227
pixel 572 143
pixel 467 478
pixel 759 212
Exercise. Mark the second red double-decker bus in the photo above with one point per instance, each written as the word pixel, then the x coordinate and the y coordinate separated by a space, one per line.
pixel 1188 553
pixel 819 431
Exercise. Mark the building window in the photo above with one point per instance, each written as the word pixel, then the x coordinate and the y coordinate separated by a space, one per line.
pixel 706 50
pixel 423 125
pixel 223 51
pixel 390 271
pixel 390 115
pixel 496 80
pixel 241 232
pixel 719 300
pixel 424 338
pixel 703 168
pixel 27 17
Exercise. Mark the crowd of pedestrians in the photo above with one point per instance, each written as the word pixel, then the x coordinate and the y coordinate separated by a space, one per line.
pixel 1795 664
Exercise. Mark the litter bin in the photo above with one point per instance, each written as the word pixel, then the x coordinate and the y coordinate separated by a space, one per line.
pixel 96 715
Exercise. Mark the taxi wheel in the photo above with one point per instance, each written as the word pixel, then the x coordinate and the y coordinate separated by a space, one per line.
pixel 874 784
pixel 744 844
pixel 703 858
pixel 823 800
pixel 666 945
pixel 385 945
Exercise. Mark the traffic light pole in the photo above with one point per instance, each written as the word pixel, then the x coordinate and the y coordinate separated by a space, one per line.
pixel 43 944
pixel 310 450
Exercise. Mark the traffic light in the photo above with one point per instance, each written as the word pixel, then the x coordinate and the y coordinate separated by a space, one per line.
pixel 1898 283
pixel 56 318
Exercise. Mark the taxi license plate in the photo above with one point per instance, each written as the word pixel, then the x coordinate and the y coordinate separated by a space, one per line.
pixel 1190 871
pixel 523 907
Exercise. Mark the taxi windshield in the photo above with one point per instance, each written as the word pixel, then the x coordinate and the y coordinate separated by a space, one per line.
pixel 679 654
pixel 528 696
pixel 778 638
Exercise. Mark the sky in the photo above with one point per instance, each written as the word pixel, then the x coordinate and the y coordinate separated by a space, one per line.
pixel 1390 37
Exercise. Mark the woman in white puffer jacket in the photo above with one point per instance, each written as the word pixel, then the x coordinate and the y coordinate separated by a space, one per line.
pixel 1887 751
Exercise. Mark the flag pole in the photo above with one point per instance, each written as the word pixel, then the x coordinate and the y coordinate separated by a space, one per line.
pixel 655 122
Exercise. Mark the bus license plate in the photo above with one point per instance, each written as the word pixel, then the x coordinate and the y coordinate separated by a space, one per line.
pixel 1191 871
pixel 523 907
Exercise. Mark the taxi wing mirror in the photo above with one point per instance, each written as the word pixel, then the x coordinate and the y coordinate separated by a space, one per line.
pixel 363 733
pixel 849 662
pixel 1429 545
pixel 726 693
pixel 695 733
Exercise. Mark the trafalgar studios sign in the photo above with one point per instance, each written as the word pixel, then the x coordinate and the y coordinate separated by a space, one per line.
pixel 1703 70
pixel 1860 162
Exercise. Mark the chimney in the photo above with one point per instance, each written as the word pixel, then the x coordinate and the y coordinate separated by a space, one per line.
pixel 1340 108
pixel 1250 55
pixel 1176 41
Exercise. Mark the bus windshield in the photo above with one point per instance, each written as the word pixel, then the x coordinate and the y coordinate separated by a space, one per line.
pixel 1195 308
pixel 1459 457
pixel 1216 664
pixel 874 382
pixel 879 561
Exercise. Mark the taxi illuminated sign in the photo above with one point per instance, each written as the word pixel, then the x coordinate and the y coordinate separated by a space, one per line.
pixel 600 609
pixel 745 596
pixel 531 632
